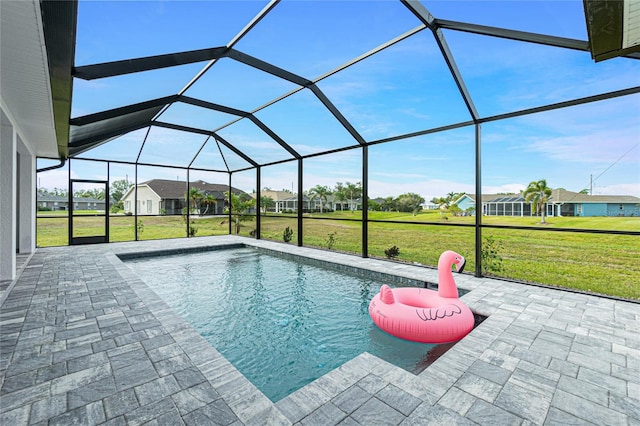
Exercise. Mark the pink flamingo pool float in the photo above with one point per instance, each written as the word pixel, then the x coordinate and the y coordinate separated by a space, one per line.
pixel 423 315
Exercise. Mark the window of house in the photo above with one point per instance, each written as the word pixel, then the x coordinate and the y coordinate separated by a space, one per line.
pixel 127 205
pixel 149 205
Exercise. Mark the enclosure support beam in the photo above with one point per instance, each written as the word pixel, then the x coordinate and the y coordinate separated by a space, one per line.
pixel 188 200
pixel 230 206
pixel 365 201
pixel 300 201
pixel 135 199
pixel 478 227
pixel 258 194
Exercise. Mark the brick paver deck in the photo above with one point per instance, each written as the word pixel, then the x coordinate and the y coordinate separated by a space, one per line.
pixel 84 341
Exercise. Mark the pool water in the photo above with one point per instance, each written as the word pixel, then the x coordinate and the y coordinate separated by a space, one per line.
pixel 281 323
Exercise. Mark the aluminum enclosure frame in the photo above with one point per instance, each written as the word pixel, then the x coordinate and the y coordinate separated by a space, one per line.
pixel 89 131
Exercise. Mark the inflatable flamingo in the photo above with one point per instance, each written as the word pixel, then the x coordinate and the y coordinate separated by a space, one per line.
pixel 423 315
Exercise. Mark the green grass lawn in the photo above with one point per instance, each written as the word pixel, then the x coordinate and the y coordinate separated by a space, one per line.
pixel 600 263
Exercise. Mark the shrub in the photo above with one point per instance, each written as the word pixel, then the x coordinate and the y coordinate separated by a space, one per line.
pixel 192 230
pixel 491 259
pixel 392 252
pixel 287 235
pixel 331 240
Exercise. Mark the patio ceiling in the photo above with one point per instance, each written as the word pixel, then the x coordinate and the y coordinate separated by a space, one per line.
pixel 235 99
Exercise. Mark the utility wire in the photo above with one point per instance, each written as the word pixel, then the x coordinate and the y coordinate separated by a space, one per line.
pixel 607 169
pixel 617 161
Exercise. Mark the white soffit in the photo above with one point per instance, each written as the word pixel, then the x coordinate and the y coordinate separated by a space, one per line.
pixel 25 88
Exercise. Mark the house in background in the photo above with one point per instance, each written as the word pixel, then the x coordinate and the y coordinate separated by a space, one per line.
pixel 568 203
pixel 168 197
pixel 276 196
pixel 52 202
pixel 290 204
pixel 467 202
pixel 61 203
pixel 561 203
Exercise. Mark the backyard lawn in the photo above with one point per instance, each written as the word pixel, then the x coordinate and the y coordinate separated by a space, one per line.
pixel 600 263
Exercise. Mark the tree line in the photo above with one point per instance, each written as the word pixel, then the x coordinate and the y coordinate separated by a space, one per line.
pixel 117 189
pixel 350 193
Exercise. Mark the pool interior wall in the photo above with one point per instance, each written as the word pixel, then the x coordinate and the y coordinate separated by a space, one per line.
pixel 413 358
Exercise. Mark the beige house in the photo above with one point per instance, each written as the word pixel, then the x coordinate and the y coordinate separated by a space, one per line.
pixel 277 196
pixel 167 197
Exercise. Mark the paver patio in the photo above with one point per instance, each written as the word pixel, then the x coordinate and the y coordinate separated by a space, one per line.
pixel 84 341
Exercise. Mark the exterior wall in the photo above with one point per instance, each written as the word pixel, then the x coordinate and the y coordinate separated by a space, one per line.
pixel 26 201
pixel 465 203
pixel 623 209
pixel 87 205
pixel 8 193
pixel 593 209
pixel 148 201
pixel 54 205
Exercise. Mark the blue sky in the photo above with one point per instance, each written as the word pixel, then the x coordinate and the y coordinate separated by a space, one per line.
pixel 403 89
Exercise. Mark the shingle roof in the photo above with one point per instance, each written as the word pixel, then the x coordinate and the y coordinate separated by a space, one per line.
pixel 560 196
pixel 564 196
pixel 174 189
pixel 64 199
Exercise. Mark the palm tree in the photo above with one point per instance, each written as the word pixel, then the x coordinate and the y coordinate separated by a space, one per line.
pixel 355 191
pixel 240 207
pixel 321 192
pixel 194 195
pixel 537 194
pixel 340 194
pixel 208 200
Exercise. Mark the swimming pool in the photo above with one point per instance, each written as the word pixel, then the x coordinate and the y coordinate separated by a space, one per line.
pixel 281 323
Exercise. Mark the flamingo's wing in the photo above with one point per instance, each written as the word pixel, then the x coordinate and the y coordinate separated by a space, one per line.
pixel 431 314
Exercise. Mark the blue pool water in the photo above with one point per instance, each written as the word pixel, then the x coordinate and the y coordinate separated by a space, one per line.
pixel 281 323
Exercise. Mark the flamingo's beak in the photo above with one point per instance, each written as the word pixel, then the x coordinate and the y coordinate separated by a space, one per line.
pixel 460 265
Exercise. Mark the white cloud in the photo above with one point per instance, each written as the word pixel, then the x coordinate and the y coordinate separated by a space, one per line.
pixel 507 188
pixel 618 189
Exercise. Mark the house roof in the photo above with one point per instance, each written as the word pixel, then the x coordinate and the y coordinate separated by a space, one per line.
pixel 558 196
pixel 275 195
pixel 564 196
pixel 485 197
pixel 174 189
pixel 49 198
pixel 64 199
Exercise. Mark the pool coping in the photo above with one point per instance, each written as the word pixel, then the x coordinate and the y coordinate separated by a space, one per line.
pixel 249 403
pixel 542 356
